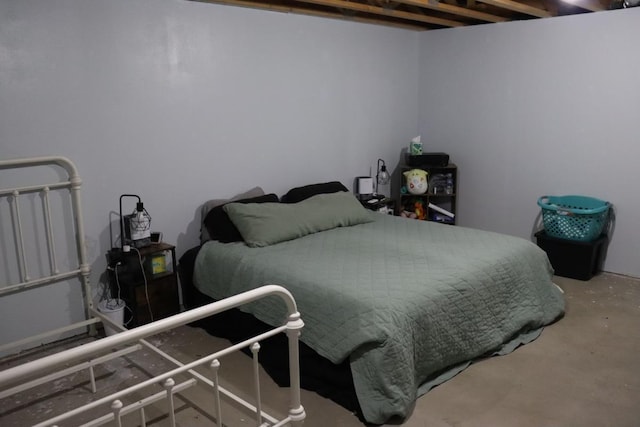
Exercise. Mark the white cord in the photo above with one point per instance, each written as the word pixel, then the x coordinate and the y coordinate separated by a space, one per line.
pixel 117 301
pixel 146 285
pixel 118 284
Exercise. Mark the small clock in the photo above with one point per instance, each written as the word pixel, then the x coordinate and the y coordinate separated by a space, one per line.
pixel 156 237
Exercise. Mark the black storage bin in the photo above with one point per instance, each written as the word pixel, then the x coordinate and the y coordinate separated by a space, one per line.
pixel 573 259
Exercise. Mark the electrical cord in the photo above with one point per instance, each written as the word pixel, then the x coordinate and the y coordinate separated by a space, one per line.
pixel 146 285
pixel 105 294
pixel 117 284
pixel 113 304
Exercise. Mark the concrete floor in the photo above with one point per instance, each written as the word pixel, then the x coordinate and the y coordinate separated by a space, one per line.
pixel 583 371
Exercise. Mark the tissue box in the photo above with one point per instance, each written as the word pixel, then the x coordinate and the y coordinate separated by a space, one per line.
pixel 415 148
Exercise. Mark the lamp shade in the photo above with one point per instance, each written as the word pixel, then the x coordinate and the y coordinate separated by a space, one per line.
pixel 135 228
pixel 382 175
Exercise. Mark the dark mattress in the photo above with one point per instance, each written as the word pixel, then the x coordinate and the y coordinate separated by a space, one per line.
pixel 317 373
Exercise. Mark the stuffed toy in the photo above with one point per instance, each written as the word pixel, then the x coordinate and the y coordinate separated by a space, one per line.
pixel 416 181
pixel 419 210
pixel 407 214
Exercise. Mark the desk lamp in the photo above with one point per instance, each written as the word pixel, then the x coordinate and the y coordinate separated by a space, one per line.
pixel 135 228
pixel 382 176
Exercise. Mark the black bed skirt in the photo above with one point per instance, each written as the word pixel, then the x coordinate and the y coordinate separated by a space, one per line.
pixel 317 373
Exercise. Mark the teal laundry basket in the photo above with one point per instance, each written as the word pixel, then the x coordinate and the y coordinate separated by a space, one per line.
pixel 578 218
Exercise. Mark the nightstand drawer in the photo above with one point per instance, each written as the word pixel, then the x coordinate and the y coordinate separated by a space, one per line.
pixel 162 299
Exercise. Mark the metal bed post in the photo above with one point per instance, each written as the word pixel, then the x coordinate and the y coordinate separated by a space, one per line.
pixel 296 411
pixel 85 269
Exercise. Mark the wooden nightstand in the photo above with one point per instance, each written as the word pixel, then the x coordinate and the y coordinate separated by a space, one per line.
pixel 151 299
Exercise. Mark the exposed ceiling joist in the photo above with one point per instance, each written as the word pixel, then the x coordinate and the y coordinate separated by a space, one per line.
pixel 359 7
pixel 518 7
pixel 454 10
pixel 305 11
pixel 431 14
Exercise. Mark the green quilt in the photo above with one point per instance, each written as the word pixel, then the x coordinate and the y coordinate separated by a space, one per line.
pixel 404 300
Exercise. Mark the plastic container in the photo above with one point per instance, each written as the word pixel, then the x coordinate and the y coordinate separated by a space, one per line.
pixel 576 260
pixel 578 218
pixel 114 310
pixel 438 184
pixel 449 186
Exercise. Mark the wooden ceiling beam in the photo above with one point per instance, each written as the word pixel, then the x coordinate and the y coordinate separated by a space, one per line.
pixel 518 7
pixel 265 6
pixel 365 8
pixel 454 10
pixel 302 11
pixel 416 15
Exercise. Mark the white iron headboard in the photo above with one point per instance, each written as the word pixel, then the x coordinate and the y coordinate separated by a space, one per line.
pixel 23 214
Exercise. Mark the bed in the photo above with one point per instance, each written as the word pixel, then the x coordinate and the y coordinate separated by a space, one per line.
pixel 402 304
pixel 41 216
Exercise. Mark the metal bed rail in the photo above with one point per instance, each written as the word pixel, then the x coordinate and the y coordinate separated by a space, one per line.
pixel 11 379
pixel 87 356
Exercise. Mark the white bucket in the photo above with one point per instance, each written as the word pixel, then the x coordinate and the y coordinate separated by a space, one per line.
pixel 114 310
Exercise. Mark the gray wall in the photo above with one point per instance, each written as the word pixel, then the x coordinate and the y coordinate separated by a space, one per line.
pixel 180 102
pixel 540 107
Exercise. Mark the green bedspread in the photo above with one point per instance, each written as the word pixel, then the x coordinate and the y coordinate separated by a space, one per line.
pixel 404 300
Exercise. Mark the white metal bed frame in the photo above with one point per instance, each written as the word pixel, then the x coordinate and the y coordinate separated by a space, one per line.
pixel 87 356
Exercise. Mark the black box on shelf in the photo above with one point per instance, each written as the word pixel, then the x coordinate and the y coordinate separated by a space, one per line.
pixel 428 159
pixel 573 259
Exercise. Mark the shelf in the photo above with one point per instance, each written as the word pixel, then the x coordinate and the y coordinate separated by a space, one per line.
pixel 155 247
pixel 448 202
pixel 431 195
